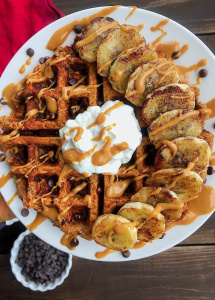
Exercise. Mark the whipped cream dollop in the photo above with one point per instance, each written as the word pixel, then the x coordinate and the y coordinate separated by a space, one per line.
pixel 118 127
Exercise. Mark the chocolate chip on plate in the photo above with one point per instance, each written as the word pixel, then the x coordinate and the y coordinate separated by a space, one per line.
pixel 203 73
pixel 176 54
pixel 78 29
pixel 210 170
pixel 42 60
pixel 24 212
pixel 126 253
pixel 205 180
pixel 74 242
pixel 30 52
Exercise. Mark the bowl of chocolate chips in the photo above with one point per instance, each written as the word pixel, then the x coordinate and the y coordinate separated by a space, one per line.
pixel 37 265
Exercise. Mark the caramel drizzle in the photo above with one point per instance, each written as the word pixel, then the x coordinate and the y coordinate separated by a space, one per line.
pixel 106 153
pixel 51 104
pixel 120 228
pixel 7 95
pixel 156 28
pixel 102 254
pixel 184 173
pixel 79 133
pixel 101 133
pixel 66 239
pixel 140 244
pixel 39 95
pixel 173 122
pixel 88 200
pixel 67 169
pixel 96 34
pixel 102 116
pixel 37 221
pixel 49 212
pixel 140 81
pixel 117 76
pixel 184 72
pixel 13 151
pixel 134 8
pixel 72 155
pixel 117 188
pixel 74 191
pixel 11 200
pixel 171 145
pixel 4 179
pixel 60 36
pixel 81 89
pixel 28 62
pixel 155 192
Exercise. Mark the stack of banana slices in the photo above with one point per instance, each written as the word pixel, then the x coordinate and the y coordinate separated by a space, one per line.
pixel 174 118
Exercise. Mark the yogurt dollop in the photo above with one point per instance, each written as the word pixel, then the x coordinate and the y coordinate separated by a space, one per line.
pixel 119 128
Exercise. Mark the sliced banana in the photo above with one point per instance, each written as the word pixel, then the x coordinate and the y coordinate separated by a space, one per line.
pixel 167 98
pixel 126 64
pixel 174 124
pixel 208 137
pixel 104 234
pixel 150 196
pixel 88 51
pixel 188 148
pixel 155 74
pixel 116 41
pixel 139 212
pixel 186 187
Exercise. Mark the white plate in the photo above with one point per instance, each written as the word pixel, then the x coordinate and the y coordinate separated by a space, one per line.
pixel 38 42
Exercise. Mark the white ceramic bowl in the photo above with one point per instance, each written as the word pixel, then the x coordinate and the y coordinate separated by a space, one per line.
pixel 46 231
pixel 11 222
pixel 32 285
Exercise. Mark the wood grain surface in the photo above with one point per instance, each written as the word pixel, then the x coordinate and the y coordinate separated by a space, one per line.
pixel 186 271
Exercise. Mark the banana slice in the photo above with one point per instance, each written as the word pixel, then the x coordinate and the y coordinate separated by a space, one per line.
pixel 174 124
pixel 104 234
pixel 88 51
pixel 154 74
pixel 116 41
pixel 185 187
pixel 167 98
pixel 126 64
pixel 188 148
pixel 145 195
pixel 208 137
pixel 139 212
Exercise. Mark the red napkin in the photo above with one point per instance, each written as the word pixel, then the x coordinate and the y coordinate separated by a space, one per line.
pixel 20 20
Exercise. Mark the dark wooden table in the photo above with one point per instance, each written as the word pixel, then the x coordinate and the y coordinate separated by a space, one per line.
pixel 186 271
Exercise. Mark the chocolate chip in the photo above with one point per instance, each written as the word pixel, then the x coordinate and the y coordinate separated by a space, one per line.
pixel 99 103
pixel 2 225
pixel 3 101
pixel 63 222
pixel 163 236
pixel 126 253
pixel 42 60
pixel 52 202
pixel 205 180
pixel 24 212
pixel 78 29
pixel 30 52
pixel 99 189
pixel 77 182
pixel 79 217
pixel 84 191
pixel 203 73
pixel 46 58
pixel 73 102
pixel 51 182
pixel 74 242
pixel 73 111
pixel 176 54
pixel 72 81
pixel 210 170
pixel 17 156
pixel 55 191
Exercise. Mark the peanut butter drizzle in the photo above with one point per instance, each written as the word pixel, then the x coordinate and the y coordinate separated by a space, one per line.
pixel 88 200
pixel 79 133
pixel 72 155
pixel 102 116
pixel 168 48
pixel 11 200
pixel 211 105
pixel 141 26
pixel 37 221
pixel 139 245
pixel 75 191
pixel 81 89
pixel 140 81
pixel 173 122
pixel 134 8
pixel 184 49
pixel 155 192
pixel 102 254
pixel 184 173
pixel 184 72
pixel 60 35
pixel 50 212
pixel 117 76
pixel 212 160
pixel 4 179
pixel 171 145
pixel 202 205
pixel 156 28
pixel 117 188
pixel 205 113
pixel 101 133
pixel 95 34
pixel 51 104
pixel 66 239
pixel 106 153
pixel 8 93
pixel 120 228
pixel 163 206
pixel 136 163
pixel 23 67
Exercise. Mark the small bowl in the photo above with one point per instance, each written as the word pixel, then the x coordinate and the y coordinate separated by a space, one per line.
pixel 32 285
pixel 10 222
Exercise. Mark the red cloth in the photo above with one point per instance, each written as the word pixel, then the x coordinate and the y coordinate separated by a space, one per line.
pixel 20 20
